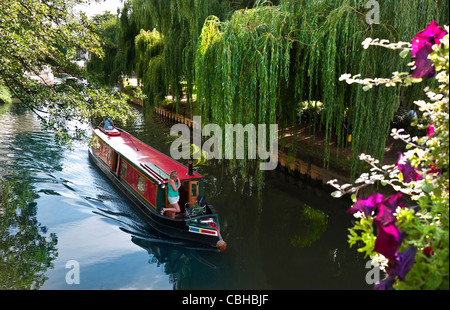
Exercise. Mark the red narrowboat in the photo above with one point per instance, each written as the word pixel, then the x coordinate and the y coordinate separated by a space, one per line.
pixel 142 174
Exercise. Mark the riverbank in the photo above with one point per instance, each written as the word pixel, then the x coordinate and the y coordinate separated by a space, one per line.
pixel 307 161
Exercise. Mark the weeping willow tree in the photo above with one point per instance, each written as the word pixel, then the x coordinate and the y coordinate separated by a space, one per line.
pixel 180 23
pixel 257 66
pixel 149 46
pixel 125 59
pixel 107 29
pixel 241 64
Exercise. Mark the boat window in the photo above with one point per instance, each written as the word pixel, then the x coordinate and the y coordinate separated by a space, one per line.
pixel 123 169
pixel 141 184
pixel 194 189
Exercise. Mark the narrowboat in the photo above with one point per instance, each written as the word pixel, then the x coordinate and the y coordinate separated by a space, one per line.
pixel 142 174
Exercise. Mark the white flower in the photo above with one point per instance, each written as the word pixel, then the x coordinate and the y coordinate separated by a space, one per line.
pixel 380 261
pixel 358 214
pixel 345 76
pixel 366 43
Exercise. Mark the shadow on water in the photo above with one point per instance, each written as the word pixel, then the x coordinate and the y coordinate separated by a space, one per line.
pixel 293 235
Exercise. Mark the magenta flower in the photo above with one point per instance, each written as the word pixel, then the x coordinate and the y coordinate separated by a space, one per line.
pixel 393 201
pixel 388 237
pixel 422 47
pixel 430 131
pixel 367 205
pixel 372 203
pixel 430 36
pixel 432 168
pixel 409 173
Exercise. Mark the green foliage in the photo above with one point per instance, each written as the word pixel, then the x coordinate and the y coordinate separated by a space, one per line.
pixel 422 174
pixel 105 67
pixel 179 22
pixel 267 59
pixel 5 95
pixel 241 65
pixel 33 35
pixel 125 57
pixel 313 224
pixel 362 233
pixel 150 67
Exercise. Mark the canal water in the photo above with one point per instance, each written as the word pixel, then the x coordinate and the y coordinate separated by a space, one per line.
pixel 77 232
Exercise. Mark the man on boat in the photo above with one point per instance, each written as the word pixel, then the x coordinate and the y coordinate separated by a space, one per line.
pixel 108 125
pixel 172 194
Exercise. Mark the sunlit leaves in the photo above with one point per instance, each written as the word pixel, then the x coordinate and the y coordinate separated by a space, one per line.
pixel 33 36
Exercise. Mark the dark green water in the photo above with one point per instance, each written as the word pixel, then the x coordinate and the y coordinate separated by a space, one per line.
pixel 292 236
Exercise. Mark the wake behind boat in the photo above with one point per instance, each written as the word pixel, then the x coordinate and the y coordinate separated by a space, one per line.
pixel 142 173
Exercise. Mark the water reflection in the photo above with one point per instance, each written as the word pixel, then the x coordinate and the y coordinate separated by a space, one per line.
pixel 27 250
pixel 291 236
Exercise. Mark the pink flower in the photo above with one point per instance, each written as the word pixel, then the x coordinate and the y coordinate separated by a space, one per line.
pixel 430 36
pixel 430 131
pixel 432 168
pixel 388 237
pixel 422 47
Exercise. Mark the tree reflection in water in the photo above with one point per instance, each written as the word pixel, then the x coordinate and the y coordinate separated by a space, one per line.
pixel 26 251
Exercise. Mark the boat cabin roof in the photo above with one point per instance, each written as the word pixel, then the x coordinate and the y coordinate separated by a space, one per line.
pixel 154 163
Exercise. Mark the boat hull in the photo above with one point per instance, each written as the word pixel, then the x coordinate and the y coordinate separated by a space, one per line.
pixel 173 228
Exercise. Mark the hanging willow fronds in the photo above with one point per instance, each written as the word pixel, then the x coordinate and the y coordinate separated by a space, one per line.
pixel 180 21
pixel 256 67
pixel 149 46
pixel 241 63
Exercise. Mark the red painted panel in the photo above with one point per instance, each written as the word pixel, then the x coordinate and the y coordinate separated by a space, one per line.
pixel 104 152
pixel 132 179
pixel 150 192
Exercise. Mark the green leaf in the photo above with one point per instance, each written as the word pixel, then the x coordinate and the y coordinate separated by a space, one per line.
pixel 428 188
pixel 404 53
pixel 433 280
